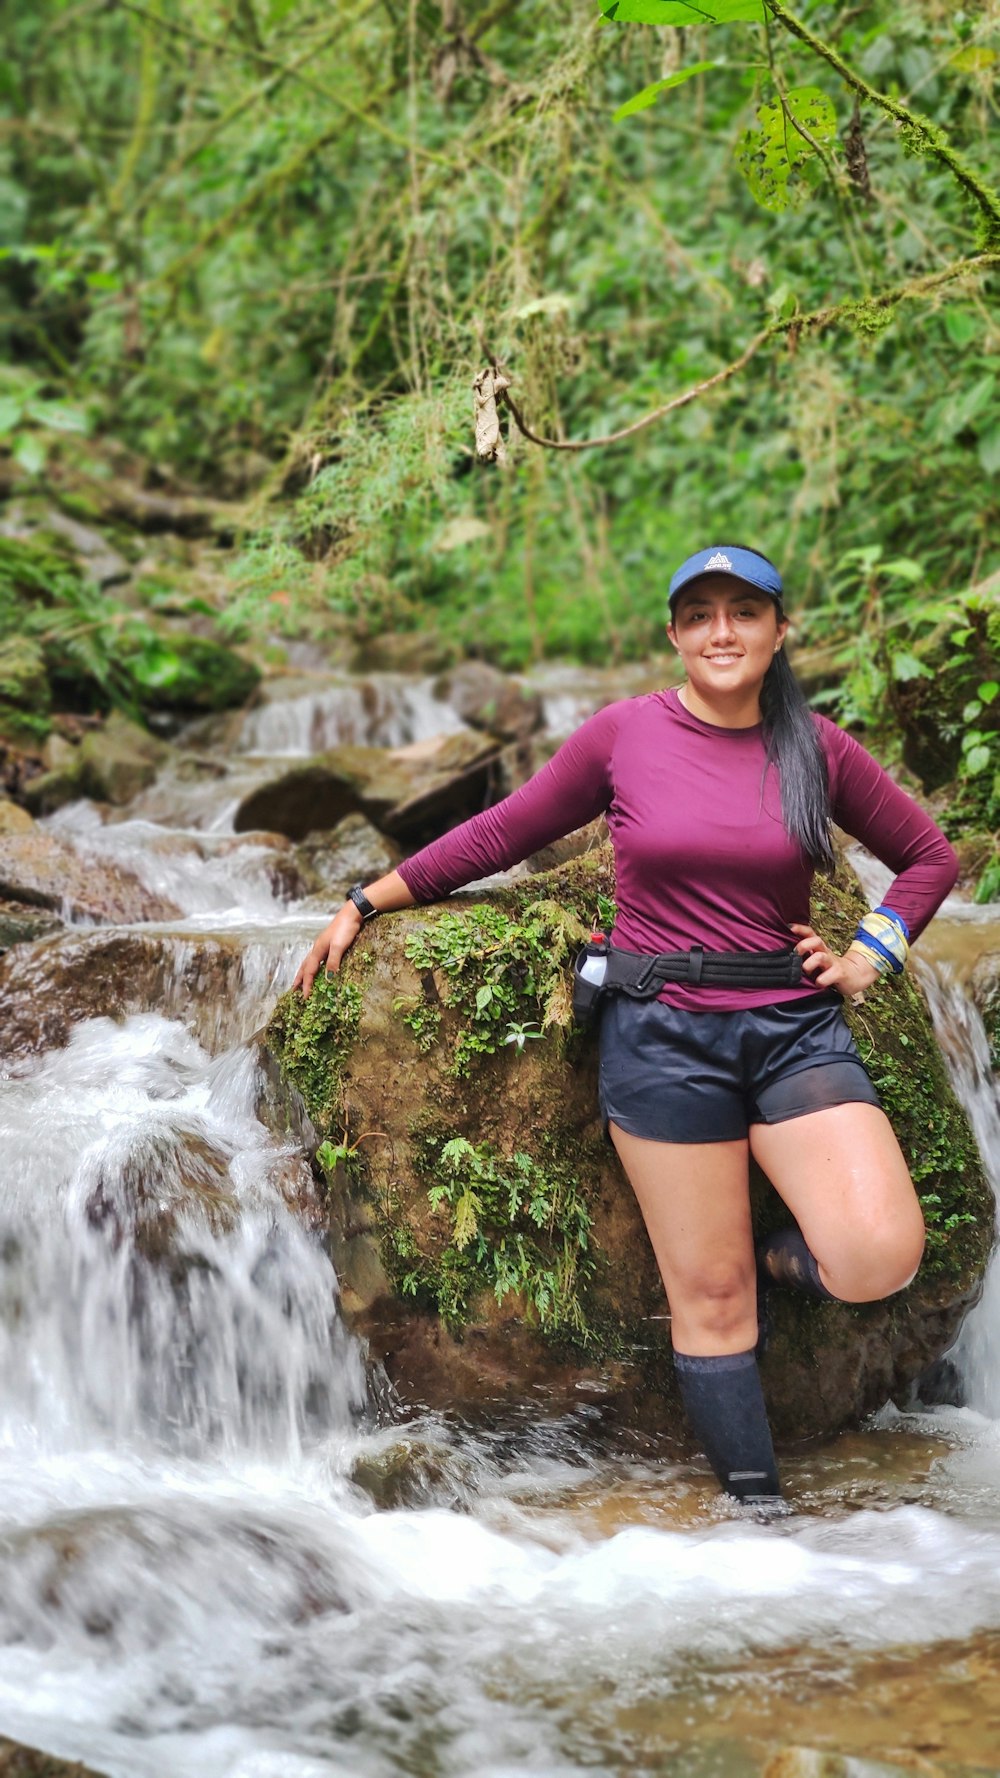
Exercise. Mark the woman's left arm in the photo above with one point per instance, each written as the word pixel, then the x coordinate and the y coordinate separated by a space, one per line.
pixel 867 804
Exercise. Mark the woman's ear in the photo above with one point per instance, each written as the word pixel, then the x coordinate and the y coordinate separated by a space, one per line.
pixel 671 635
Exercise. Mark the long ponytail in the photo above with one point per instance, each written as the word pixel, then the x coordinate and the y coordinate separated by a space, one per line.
pixel 793 745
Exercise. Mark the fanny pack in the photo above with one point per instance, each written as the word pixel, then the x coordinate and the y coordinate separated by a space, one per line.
pixel 602 968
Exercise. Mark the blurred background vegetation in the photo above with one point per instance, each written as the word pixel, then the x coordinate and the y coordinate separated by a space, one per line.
pixel 255 252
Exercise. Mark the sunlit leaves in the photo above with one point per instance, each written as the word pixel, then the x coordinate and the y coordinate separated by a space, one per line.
pixel 779 157
pixel 641 101
pixel 672 12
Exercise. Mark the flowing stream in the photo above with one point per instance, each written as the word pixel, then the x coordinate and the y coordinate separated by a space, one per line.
pixel 223 1556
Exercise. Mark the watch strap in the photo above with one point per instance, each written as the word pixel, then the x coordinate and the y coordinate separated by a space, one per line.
pixel 365 908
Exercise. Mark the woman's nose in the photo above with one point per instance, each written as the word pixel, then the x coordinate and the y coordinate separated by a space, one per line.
pixel 721 627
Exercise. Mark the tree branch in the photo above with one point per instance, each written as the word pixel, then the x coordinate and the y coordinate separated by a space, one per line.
pixel 869 315
pixel 918 131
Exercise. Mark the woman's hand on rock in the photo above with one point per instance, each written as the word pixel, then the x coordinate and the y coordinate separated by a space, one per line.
pixel 330 947
pixel 849 974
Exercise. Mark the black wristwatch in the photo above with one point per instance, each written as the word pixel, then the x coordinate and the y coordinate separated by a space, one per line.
pixel 365 908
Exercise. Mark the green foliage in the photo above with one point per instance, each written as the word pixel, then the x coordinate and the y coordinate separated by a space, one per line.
pixel 503 973
pixel 313 1039
pixel 517 1226
pixel 275 262
pixel 779 156
pixel 91 650
pixel 641 101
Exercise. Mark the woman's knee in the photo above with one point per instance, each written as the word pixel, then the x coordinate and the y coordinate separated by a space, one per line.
pixel 885 1262
pixel 717 1295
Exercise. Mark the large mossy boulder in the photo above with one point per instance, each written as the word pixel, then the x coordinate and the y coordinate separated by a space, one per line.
pixel 487 1243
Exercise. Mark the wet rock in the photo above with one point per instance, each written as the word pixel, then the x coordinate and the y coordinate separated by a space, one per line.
pixel 412 793
pixel 352 852
pixel 117 761
pixel 37 868
pixel 14 819
pixel 491 700
pixel 45 989
pixel 396 1061
pixel 103 563
pixel 21 924
pixel 402 651
pixel 18 1761
pixel 410 1471
pixel 461 777
pixel 312 796
pixel 59 754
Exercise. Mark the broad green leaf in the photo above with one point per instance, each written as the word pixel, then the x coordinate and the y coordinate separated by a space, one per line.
pixel 773 158
pixel 977 759
pixel 671 12
pixel 649 94
pixel 30 453
pixel 974 59
pixel 988 691
pixel 902 568
pixel 971 710
pixel 961 326
pixel 556 304
pixel 906 666
pixel 483 997
pixel 58 416
pixel 988 450
pixel 10 413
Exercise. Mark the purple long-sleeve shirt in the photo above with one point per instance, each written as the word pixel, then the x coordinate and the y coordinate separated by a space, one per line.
pixel 701 854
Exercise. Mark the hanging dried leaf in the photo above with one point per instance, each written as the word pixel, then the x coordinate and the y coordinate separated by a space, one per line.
pixel 490 383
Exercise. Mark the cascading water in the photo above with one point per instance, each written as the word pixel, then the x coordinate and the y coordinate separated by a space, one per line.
pixel 218 1561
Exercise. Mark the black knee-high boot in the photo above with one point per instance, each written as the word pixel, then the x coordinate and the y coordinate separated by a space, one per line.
pixel 783 1258
pixel 725 1405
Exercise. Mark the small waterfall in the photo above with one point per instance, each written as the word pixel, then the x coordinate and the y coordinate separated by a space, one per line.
pixel 964 1043
pixel 156 1280
pixel 383 710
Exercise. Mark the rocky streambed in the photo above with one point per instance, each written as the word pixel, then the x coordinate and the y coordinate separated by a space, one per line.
pixel 300 1472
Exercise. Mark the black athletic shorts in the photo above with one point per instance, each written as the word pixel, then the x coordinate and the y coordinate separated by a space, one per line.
pixel 674 1076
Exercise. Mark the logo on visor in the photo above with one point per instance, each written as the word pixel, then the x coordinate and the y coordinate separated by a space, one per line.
pixel 719 561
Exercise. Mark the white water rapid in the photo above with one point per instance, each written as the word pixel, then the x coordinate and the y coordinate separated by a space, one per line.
pixel 223 1556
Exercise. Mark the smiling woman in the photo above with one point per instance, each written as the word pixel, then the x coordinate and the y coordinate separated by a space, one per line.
pixel 722 1034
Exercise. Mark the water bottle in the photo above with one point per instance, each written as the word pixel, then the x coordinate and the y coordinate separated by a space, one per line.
pixel 589 972
pixel 594 968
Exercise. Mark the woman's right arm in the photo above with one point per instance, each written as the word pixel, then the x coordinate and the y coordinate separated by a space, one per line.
pixel 388 894
pixel 571 789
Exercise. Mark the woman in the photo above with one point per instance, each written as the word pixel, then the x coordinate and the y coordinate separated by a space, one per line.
pixel 718 797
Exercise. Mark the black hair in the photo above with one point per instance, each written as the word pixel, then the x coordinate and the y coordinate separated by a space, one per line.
pixel 793 745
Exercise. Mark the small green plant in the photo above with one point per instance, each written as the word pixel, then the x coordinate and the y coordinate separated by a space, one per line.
pixel 504 973
pixel 516 1227
pixel 313 1039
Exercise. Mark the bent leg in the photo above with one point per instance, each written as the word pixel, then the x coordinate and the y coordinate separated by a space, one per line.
pixel 842 1174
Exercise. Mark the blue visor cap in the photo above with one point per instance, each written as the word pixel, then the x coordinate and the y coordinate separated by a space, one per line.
pixel 742 564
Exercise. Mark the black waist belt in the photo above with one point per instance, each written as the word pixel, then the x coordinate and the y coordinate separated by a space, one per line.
pixel 601 968
pixel 631 973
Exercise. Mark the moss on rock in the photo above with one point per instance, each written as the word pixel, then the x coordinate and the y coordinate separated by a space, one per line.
pixel 460 1110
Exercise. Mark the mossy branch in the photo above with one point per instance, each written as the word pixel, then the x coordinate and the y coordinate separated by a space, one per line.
pixel 868 315
pixel 918 132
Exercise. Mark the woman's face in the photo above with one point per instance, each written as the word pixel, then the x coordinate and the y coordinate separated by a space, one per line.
pixel 726 634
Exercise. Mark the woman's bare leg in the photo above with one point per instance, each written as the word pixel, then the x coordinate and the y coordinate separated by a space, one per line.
pixel 695 1202
pixel 842 1174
